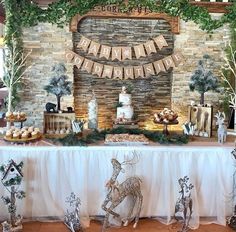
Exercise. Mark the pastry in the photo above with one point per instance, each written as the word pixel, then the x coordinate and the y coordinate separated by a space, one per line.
pixel 9 134
pixel 25 135
pixel 22 115
pixel 16 135
pixel 9 116
pixel 34 134
pixel 31 129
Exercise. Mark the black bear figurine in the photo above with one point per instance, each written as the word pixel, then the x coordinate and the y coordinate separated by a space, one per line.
pixel 51 108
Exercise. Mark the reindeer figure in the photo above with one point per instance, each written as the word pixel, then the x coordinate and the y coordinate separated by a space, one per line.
pixel 222 129
pixel 118 192
pixel 184 202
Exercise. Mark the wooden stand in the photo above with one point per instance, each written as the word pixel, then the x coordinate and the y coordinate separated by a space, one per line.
pixel 165 125
pixel 57 125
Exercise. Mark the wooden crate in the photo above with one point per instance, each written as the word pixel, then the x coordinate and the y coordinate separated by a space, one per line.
pixel 57 125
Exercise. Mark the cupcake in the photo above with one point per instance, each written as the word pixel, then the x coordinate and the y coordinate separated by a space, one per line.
pixel 25 135
pixel 36 129
pixel 22 115
pixel 16 135
pixel 31 129
pixel 15 115
pixel 9 134
pixel 34 134
pixel 9 115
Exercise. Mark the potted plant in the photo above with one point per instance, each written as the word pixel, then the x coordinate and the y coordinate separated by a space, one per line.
pixel 59 84
pixel 203 79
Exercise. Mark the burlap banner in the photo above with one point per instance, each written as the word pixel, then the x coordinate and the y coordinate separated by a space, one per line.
pixel 122 53
pixel 124 72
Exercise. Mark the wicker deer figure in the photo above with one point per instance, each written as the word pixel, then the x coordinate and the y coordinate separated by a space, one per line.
pixel 118 192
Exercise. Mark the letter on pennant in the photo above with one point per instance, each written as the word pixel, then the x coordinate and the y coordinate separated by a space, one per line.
pixel 107 71
pixel 139 51
pixel 97 69
pixel 84 43
pixel 105 51
pixel 94 48
pixel 126 53
pixel 160 42
pixel 129 72
pixel 138 71
pixel 78 60
pixel 87 65
pixel 150 47
pixel 118 72
pixel 168 62
pixel 116 53
pixel 159 66
pixel 149 70
pixel 69 55
pixel 177 58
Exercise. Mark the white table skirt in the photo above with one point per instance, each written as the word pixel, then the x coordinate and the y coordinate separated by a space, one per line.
pixel 52 173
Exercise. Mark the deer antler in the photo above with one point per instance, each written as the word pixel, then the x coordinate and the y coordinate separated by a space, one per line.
pixel 134 160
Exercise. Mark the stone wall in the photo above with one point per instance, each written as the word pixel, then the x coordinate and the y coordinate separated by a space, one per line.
pixel 48 45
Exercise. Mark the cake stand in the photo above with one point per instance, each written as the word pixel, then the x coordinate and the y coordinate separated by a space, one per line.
pixel 16 120
pixel 166 124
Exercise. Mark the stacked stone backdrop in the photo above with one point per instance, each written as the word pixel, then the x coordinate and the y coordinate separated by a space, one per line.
pixel 48 45
pixel 148 94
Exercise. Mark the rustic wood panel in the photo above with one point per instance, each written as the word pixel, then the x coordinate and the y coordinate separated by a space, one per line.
pixel 148 95
pixel 114 12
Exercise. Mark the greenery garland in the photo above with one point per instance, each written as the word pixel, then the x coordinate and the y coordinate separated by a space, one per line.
pixel 154 136
pixel 61 11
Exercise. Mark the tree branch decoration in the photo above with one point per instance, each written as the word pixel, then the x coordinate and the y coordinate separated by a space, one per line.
pixel 229 69
pixel 203 80
pixel 59 85
pixel 11 179
pixel 15 68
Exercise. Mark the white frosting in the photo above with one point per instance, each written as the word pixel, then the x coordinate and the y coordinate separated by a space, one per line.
pixel 125 99
pixel 125 112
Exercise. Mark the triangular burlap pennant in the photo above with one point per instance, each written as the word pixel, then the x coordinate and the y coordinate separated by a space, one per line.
pixel 177 58
pixel 105 51
pixel 126 53
pixel 107 71
pixel 148 69
pixel 69 55
pixel 78 60
pixel 139 51
pixel 97 69
pixel 84 43
pixel 94 48
pixel 129 72
pixel 160 42
pixel 118 72
pixel 168 62
pixel 138 71
pixel 159 66
pixel 150 47
pixel 87 65
pixel 116 53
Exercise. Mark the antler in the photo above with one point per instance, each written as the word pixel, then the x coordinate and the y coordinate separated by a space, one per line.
pixel 217 115
pixel 134 160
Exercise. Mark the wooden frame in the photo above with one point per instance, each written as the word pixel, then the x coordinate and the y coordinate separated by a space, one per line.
pixel 202 117
pixel 114 12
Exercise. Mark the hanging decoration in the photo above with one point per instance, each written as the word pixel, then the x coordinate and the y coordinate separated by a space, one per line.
pixel 124 72
pixel 121 53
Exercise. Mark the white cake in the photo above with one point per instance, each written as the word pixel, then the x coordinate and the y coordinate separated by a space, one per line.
pixel 126 111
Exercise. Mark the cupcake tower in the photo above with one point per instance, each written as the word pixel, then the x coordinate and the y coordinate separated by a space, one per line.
pixel 24 134
pixel 165 116
pixel 15 116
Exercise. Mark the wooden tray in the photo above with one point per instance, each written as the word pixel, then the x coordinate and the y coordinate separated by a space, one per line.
pixel 28 140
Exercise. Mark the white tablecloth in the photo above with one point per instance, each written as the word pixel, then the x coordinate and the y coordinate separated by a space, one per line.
pixel 52 173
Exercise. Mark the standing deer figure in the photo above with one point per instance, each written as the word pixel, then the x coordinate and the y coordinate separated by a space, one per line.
pixel 222 129
pixel 185 202
pixel 118 192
